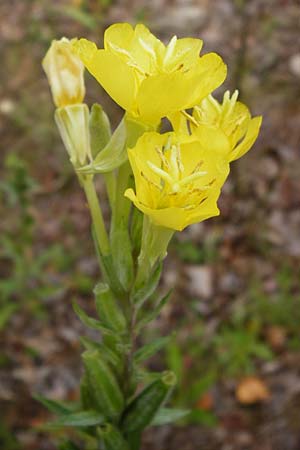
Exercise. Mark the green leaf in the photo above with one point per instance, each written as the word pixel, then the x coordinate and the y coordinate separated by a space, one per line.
pixel 168 415
pixel 112 437
pixel 110 356
pixel 79 419
pixel 150 349
pixel 56 406
pixel 103 385
pixel 142 293
pixel 90 322
pixel 206 418
pixel 174 359
pixel 151 315
pixel 68 445
pixel 100 131
pixel 108 309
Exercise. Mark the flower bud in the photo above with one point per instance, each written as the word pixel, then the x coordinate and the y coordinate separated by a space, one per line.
pixel 73 125
pixel 64 71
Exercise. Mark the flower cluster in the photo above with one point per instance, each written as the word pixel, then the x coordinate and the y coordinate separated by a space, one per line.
pixel 178 175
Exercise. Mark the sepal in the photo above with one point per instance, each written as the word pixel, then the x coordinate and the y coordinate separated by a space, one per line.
pixel 73 124
pixel 100 130
pixel 113 155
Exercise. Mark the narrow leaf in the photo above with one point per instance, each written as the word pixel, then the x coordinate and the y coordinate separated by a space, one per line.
pixel 151 315
pixel 56 406
pixel 90 322
pixel 168 415
pixel 79 419
pixel 150 349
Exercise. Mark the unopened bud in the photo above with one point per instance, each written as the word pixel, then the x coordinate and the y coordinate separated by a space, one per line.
pixel 64 71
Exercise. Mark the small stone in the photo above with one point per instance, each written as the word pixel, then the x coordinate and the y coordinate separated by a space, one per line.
pixel 294 64
pixel 201 282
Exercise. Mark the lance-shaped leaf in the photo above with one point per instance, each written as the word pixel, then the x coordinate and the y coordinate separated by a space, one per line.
pixel 56 406
pixel 106 392
pixel 149 350
pixel 112 438
pixel 168 415
pixel 141 293
pixel 90 322
pixel 110 356
pixel 78 419
pixel 152 314
pixel 141 411
pixel 108 309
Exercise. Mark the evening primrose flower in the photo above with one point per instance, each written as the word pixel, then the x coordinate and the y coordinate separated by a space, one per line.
pixel 64 71
pixel 232 118
pixel 147 78
pixel 177 180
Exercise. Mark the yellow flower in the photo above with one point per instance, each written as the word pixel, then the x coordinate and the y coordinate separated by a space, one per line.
pixel 64 71
pixel 177 179
pixel 232 118
pixel 147 78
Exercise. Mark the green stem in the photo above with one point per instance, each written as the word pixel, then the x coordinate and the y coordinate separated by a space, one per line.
pixel 96 213
pixel 110 182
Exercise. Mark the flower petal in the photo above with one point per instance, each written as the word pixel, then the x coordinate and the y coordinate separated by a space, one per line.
pixel 249 139
pixel 114 75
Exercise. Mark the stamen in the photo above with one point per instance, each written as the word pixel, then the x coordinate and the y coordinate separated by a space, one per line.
pixel 164 160
pixel 189 117
pixel 190 178
pixel 197 167
pixel 151 182
pixel 174 161
pixel 162 173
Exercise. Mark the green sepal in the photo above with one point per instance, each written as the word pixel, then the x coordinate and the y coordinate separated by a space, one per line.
pixel 100 131
pixel 135 129
pixel 144 407
pixel 112 438
pixel 113 155
pixel 165 416
pixel 90 322
pixel 141 293
pixel 86 398
pixel 110 356
pixel 105 390
pixel 153 313
pixel 56 406
pixel 108 309
pixel 78 419
pixel 149 350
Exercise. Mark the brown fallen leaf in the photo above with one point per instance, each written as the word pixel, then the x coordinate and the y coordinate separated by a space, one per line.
pixel 205 402
pixel 252 390
pixel 276 336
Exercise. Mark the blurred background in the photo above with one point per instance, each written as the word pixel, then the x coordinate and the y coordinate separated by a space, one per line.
pixel 236 302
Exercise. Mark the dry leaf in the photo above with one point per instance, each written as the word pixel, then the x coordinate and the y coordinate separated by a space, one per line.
pixel 252 390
